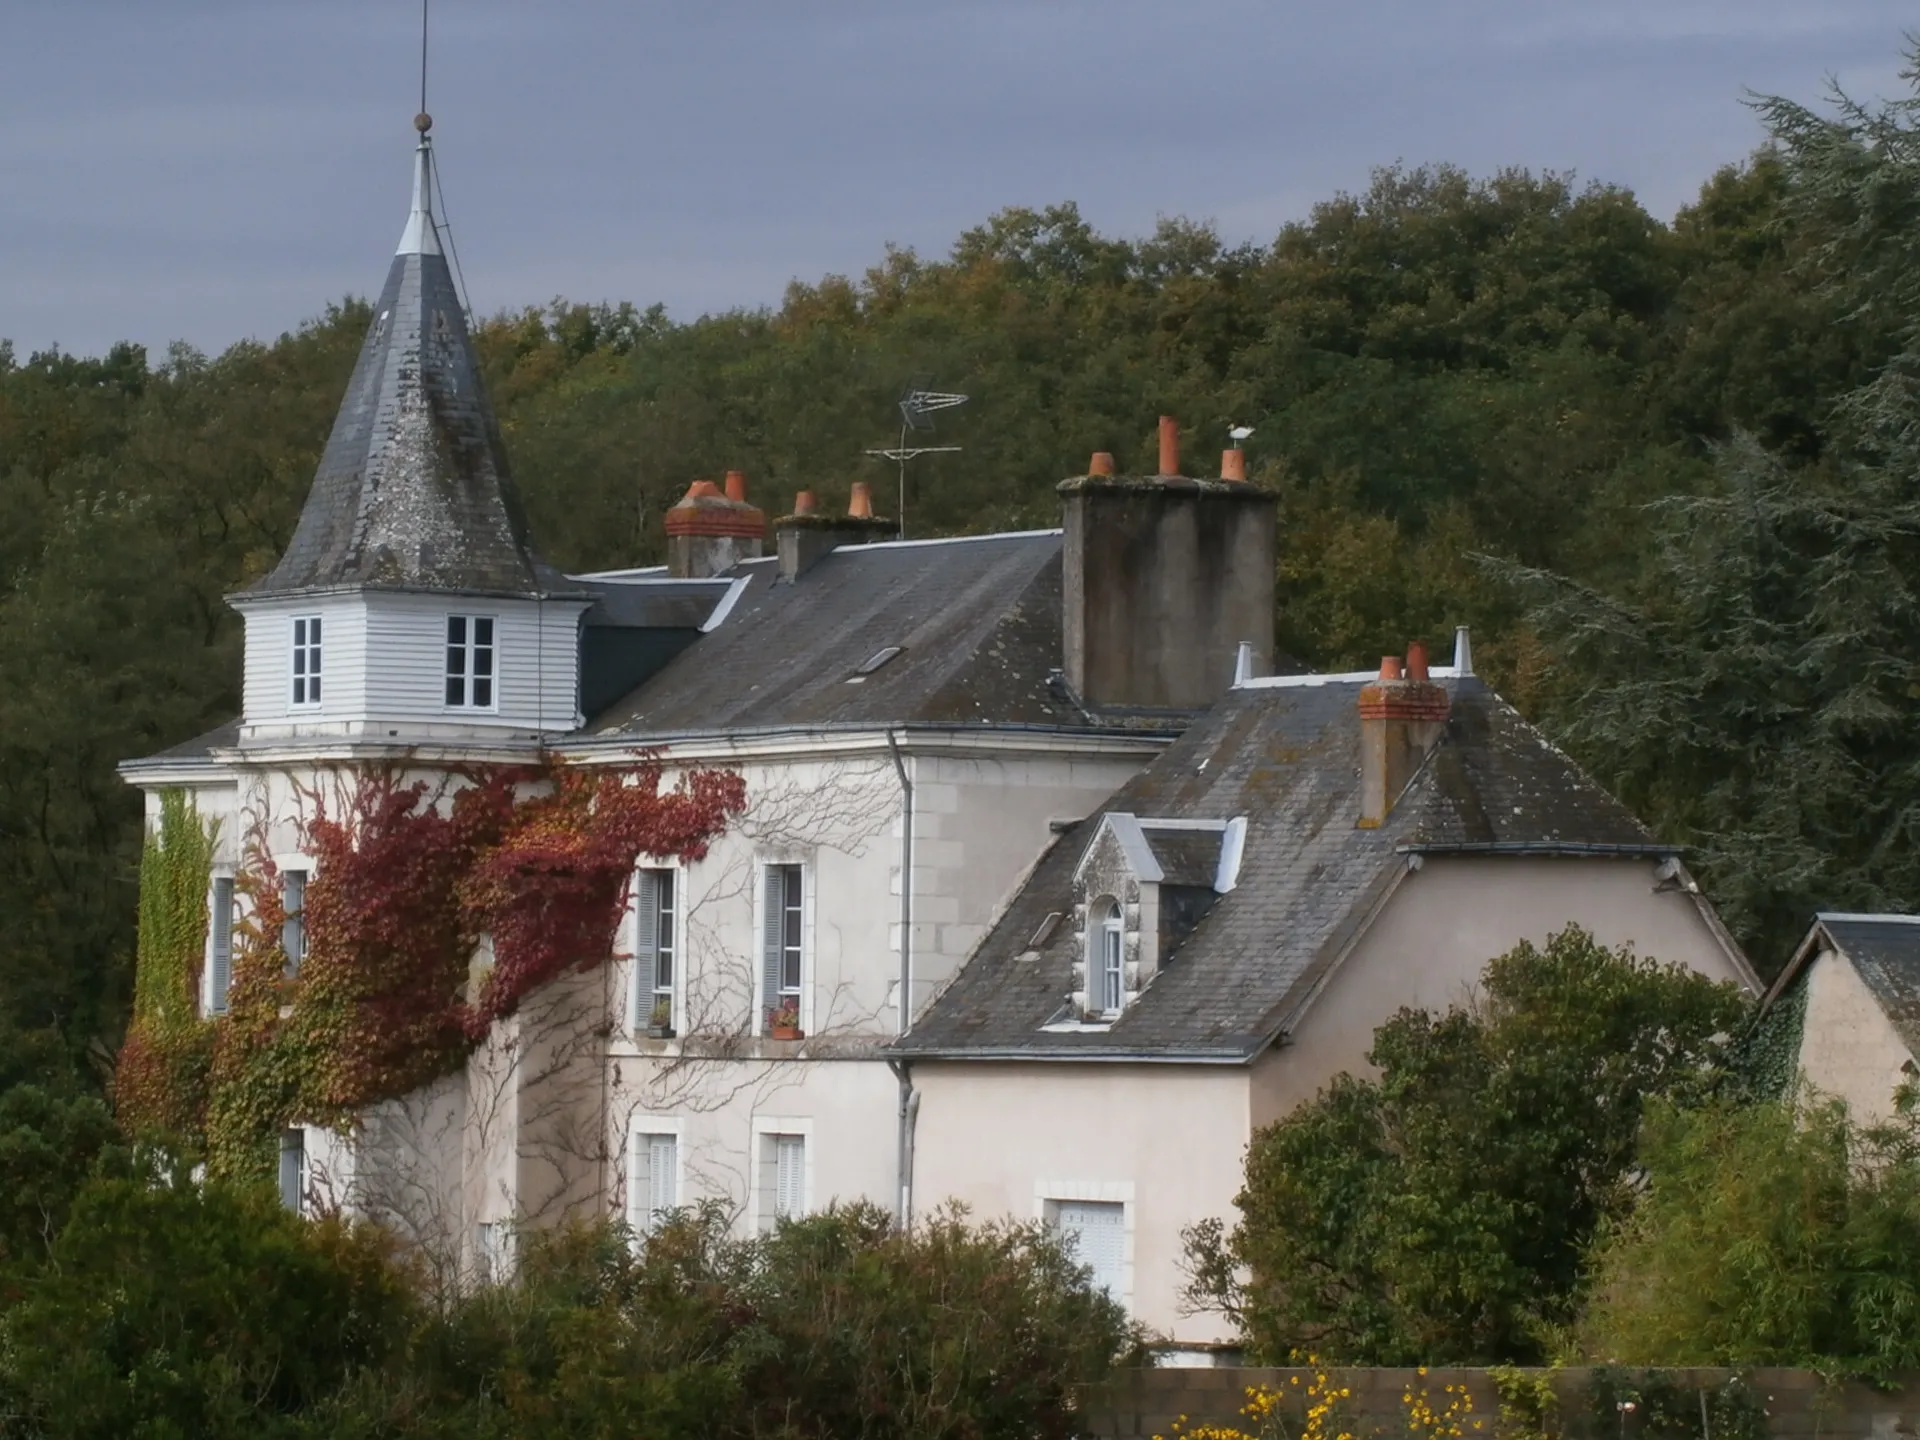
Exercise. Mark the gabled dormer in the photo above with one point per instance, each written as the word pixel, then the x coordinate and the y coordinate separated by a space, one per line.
pixel 1142 885
pixel 410 603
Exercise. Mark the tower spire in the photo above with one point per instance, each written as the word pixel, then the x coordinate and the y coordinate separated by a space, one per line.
pixel 422 236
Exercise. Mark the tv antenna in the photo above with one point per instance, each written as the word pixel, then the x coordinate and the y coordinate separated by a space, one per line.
pixel 917 406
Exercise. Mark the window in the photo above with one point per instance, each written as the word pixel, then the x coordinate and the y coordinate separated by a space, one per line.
pixel 1112 991
pixel 293 1170
pixel 293 929
pixel 1096 1233
pixel 653 1187
pixel 306 660
pixel 783 939
pixel 493 1251
pixel 470 662
pixel 219 945
pixel 783 1179
pixel 653 950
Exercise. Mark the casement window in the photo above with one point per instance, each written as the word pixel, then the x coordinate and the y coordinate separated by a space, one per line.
pixel 655 957
pixel 306 660
pixel 493 1251
pixel 653 1181
pixel 293 928
pixel 1112 961
pixel 1095 1231
pixel 782 941
pixel 293 1170
pixel 219 946
pixel 783 1178
pixel 470 662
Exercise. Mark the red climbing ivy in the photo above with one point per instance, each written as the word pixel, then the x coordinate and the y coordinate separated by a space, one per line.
pixel 408 878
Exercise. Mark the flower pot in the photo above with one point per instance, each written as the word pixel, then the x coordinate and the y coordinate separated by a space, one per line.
pixel 786 1032
pixel 659 1032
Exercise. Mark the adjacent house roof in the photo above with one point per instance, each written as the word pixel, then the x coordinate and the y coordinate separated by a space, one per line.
pixel 1287 757
pixel 1884 951
pixel 972 624
pixel 413 490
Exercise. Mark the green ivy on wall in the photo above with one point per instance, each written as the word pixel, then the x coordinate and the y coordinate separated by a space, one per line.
pixel 160 1083
pixel 1768 1056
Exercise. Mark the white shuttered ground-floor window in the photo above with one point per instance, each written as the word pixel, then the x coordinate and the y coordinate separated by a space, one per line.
pixel 653 1177
pixel 1096 1232
pixel 782 1181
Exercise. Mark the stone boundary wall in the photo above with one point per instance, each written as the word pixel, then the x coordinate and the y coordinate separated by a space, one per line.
pixel 1798 1404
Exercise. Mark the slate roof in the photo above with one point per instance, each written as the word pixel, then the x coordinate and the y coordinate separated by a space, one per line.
pixel 1187 857
pixel 1287 758
pixel 1885 952
pixel 221 737
pixel 977 622
pixel 413 491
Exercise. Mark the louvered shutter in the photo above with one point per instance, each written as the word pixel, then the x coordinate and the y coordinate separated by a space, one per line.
pixel 640 1183
pixel 1097 1231
pixel 663 1191
pixel 646 949
pixel 773 897
pixel 220 952
pixel 789 1182
pixel 293 1170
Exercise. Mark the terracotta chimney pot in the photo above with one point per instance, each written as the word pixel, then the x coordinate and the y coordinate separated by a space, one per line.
pixel 1101 464
pixel 1416 661
pixel 1169 445
pixel 737 485
pixel 860 503
pixel 703 490
pixel 1233 465
pixel 804 503
pixel 1389 667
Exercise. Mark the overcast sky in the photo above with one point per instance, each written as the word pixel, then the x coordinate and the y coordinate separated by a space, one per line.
pixel 217 169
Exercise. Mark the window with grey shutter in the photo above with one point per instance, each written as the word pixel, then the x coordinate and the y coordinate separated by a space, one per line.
pixel 220 946
pixel 293 929
pixel 652 905
pixel 773 929
pixel 293 1170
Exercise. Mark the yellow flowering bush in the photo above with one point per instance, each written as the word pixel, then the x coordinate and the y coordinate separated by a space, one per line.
pixel 1266 1412
pixel 1451 1419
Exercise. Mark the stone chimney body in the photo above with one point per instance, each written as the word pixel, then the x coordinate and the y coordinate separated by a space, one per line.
pixel 1402 716
pixel 710 531
pixel 806 537
pixel 1164 577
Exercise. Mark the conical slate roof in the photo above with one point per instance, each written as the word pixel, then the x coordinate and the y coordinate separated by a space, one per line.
pixel 413 491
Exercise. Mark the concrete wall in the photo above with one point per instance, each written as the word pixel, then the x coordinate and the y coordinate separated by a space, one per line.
pixel 1433 940
pixel 1167 1141
pixel 1799 1404
pixel 1848 1047
pixel 1161 582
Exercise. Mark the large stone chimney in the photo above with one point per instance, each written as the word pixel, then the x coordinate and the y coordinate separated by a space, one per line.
pixel 806 537
pixel 710 531
pixel 1402 716
pixel 1164 577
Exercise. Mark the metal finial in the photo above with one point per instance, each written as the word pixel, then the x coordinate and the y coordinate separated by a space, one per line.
pixel 423 122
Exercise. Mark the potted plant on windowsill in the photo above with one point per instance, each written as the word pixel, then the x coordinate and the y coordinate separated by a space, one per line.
pixel 660 1021
pixel 783 1021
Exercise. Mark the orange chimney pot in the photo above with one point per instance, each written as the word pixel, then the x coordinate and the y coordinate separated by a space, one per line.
pixel 1169 445
pixel 804 503
pixel 737 485
pixel 1233 465
pixel 860 503
pixel 1101 464
pixel 1416 661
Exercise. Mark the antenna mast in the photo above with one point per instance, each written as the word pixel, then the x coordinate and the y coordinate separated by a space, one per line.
pixel 917 404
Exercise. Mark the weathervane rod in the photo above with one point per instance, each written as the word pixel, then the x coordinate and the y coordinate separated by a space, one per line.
pixel 423 57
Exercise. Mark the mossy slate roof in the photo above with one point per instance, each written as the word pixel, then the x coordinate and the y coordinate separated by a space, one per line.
pixel 1287 758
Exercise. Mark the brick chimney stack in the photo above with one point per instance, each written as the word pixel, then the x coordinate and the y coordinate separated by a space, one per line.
pixel 709 531
pixel 1163 576
pixel 1402 716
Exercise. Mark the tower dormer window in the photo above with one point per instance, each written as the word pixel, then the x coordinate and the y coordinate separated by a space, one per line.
pixel 1112 958
pixel 306 660
pixel 470 662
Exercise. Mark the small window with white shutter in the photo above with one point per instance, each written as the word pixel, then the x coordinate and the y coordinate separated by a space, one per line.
pixel 653 1181
pixel 1095 1232
pixel 219 962
pixel 783 949
pixel 293 1170
pixel 293 927
pixel 783 1178
pixel 655 951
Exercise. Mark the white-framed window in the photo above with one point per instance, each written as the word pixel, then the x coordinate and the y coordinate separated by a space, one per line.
pixel 493 1251
pixel 470 672
pixel 656 951
pixel 653 1172
pixel 219 961
pixel 293 928
pixel 783 943
pixel 783 1170
pixel 293 1170
pixel 306 660
pixel 1112 956
pixel 1095 1220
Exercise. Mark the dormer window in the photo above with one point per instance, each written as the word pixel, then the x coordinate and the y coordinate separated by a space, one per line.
pixel 470 662
pixel 1112 961
pixel 306 660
